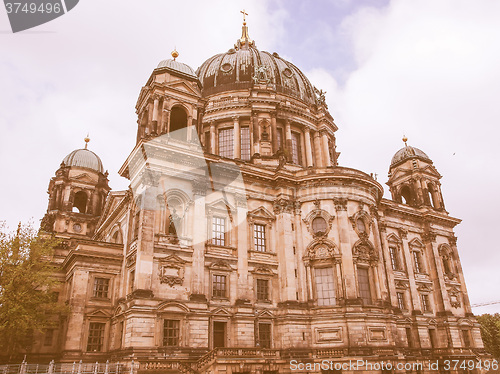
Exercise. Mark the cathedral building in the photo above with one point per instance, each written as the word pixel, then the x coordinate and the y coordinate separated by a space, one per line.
pixel 242 246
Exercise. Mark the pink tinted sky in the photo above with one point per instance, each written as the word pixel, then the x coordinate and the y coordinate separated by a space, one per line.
pixel 428 69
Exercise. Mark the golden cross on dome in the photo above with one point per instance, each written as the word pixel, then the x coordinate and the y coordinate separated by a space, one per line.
pixel 244 14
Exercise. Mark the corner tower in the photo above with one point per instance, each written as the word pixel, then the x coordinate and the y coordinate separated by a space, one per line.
pixel 413 179
pixel 76 194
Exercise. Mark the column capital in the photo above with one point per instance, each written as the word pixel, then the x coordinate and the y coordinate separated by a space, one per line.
pixel 235 118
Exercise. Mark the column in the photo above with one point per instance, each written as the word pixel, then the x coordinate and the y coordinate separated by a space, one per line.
pixel 274 133
pixel 212 137
pixel 243 292
pixel 199 230
pixel 236 138
pixel 164 118
pixel 307 141
pixel 288 139
pixel 317 150
pixel 189 128
pixel 414 294
pixel 255 132
pixel 346 248
pixel 325 150
pixel 386 257
pixel 437 275
pixel 155 114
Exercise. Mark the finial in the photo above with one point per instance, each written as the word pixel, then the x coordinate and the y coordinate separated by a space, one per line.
pixel 245 39
pixel 405 139
pixel 175 54
pixel 87 140
pixel 244 14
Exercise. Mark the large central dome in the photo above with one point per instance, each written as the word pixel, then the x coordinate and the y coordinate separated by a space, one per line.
pixel 245 65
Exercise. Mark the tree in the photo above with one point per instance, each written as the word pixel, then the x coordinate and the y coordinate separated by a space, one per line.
pixel 490 332
pixel 27 287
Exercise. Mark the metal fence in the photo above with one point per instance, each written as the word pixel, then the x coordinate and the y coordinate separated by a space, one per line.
pixel 70 368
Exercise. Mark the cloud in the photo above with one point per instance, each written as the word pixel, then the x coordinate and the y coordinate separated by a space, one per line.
pixel 429 69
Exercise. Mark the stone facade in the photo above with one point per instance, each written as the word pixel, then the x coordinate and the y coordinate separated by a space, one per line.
pixel 241 244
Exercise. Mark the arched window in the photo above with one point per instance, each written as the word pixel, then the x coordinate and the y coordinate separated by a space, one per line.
pixel 80 202
pixel 117 237
pixel 406 195
pixel 178 123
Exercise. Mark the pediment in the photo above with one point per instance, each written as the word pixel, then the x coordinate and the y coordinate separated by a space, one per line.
pixel 266 314
pixel 84 177
pixel 99 313
pixel 221 312
pixel 416 242
pixel 220 204
pixel 393 238
pixel 261 212
pixel 182 85
pixel 172 259
pixel 220 265
pixel 173 307
pixel 430 169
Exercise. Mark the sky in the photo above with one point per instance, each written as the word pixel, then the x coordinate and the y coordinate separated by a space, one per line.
pixel 427 69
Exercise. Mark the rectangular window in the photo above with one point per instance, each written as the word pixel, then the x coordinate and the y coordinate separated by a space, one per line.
pixel 131 281
pixel 417 262
pixel 433 338
pixel 409 338
pixel 265 335
pixel 325 286
pixel 262 289
pixel 219 231
pixel 401 300
pixel 259 237
pixel 466 338
pixel 49 337
pixel 226 143
pixel 426 307
pixel 245 143
pixel 171 333
pixel 296 154
pixel 279 137
pixel 393 251
pixel 207 142
pixel 364 286
pixel 219 334
pixel 101 287
pixel 219 285
pixel 95 342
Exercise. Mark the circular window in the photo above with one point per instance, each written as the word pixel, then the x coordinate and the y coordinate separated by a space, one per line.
pixel 287 73
pixel 319 226
pixel 226 67
pixel 77 227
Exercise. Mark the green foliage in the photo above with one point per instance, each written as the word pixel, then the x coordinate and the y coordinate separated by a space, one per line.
pixel 27 298
pixel 490 332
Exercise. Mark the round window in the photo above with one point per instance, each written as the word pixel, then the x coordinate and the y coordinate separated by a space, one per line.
pixel 319 226
pixel 226 67
pixel 287 73
pixel 361 225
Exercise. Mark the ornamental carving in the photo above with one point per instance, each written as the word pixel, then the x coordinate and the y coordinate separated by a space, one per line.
pixel 403 233
pixel 171 270
pixel 319 221
pixel 423 287
pixel 429 237
pixel 199 187
pixel 401 285
pixel 340 204
pixel 321 249
pixel 454 294
pixel 361 222
pixel 261 75
pixel 363 251
pixel 282 205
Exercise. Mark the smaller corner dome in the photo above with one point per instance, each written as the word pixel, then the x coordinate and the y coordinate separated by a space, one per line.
pixel 177 67
pixel 409 152
pixel 85 159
